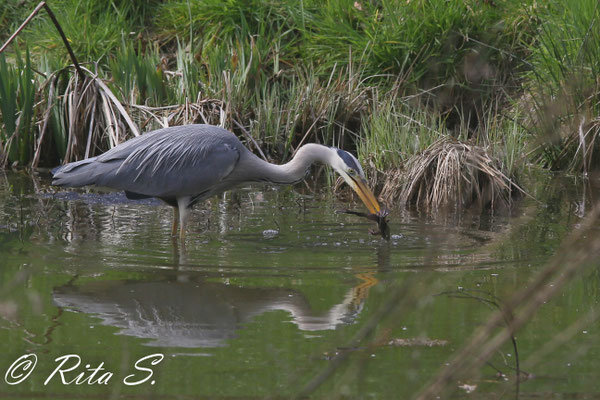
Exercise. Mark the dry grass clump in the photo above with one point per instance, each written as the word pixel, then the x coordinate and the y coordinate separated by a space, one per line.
pixel 451 174
pixel 574 147
pixel 203 111
pixel 580 149
pixel 81 116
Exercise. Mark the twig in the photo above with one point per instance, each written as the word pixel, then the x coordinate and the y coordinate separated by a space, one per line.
pixel 574 252
pixel 308 131
pixel 65 41
pixel 58 28
pixel 249 137
pixel 20 28
pixel 494 302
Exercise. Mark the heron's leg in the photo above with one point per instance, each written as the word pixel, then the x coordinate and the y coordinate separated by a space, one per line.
pixel 184 214
pixel 175 221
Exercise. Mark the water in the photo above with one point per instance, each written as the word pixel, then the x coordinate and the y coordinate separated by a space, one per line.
pixel 271 292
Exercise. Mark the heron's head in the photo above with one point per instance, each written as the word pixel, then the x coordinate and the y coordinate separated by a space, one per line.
pixel 349 168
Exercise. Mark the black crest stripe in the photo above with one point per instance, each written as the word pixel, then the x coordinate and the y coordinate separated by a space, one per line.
pixel 348 159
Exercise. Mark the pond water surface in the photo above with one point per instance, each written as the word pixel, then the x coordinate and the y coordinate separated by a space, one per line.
pixel 272 288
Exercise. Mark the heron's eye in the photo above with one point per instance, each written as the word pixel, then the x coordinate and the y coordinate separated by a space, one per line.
pixel 351 171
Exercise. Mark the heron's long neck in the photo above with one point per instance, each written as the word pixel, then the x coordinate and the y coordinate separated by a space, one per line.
pixel 295 170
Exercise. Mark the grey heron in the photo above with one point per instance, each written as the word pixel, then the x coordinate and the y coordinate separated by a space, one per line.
pixel 183 165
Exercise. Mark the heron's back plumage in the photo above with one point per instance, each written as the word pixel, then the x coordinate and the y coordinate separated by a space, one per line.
pixel 167 163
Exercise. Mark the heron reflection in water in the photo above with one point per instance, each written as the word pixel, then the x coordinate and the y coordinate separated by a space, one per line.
pixel 198 313
pixel 183 165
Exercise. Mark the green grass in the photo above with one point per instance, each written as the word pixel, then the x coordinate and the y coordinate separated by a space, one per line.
pixel 17 101
pixel 209 24
pixel 12 13
pixel 138 75
pixel 394 131
pixel 565 90
pixel 383 79
pixel 94 28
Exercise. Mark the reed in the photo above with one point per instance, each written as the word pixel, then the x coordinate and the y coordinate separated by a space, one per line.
pixel 140 75
pixel 393 131
pixel 564 90
pixel 17 104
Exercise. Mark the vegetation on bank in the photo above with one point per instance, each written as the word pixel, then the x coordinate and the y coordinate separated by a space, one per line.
pixel 444 94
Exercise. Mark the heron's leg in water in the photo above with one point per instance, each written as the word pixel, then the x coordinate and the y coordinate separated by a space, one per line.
pixel 175 221
pixel 184 214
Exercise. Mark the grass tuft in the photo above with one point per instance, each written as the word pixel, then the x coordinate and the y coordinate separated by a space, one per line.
pixel 17 103
pixel 564 88
pixel 454 174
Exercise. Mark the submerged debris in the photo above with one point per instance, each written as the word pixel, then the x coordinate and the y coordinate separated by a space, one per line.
pixel 270 233
pixel 379 217
pixel 421 342
pixel 467 388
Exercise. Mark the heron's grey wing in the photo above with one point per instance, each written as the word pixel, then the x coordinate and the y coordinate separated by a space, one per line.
pixel 86 172
pixel 183 163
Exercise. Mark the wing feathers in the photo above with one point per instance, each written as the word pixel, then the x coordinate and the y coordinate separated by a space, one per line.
pixel 176 161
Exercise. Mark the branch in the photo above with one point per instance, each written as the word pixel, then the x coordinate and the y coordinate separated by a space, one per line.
pixel 58 28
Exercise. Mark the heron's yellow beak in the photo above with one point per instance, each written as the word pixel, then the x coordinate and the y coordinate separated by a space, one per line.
pixel 366 195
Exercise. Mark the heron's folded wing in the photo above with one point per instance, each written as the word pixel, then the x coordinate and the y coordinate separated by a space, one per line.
pixel 172 165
